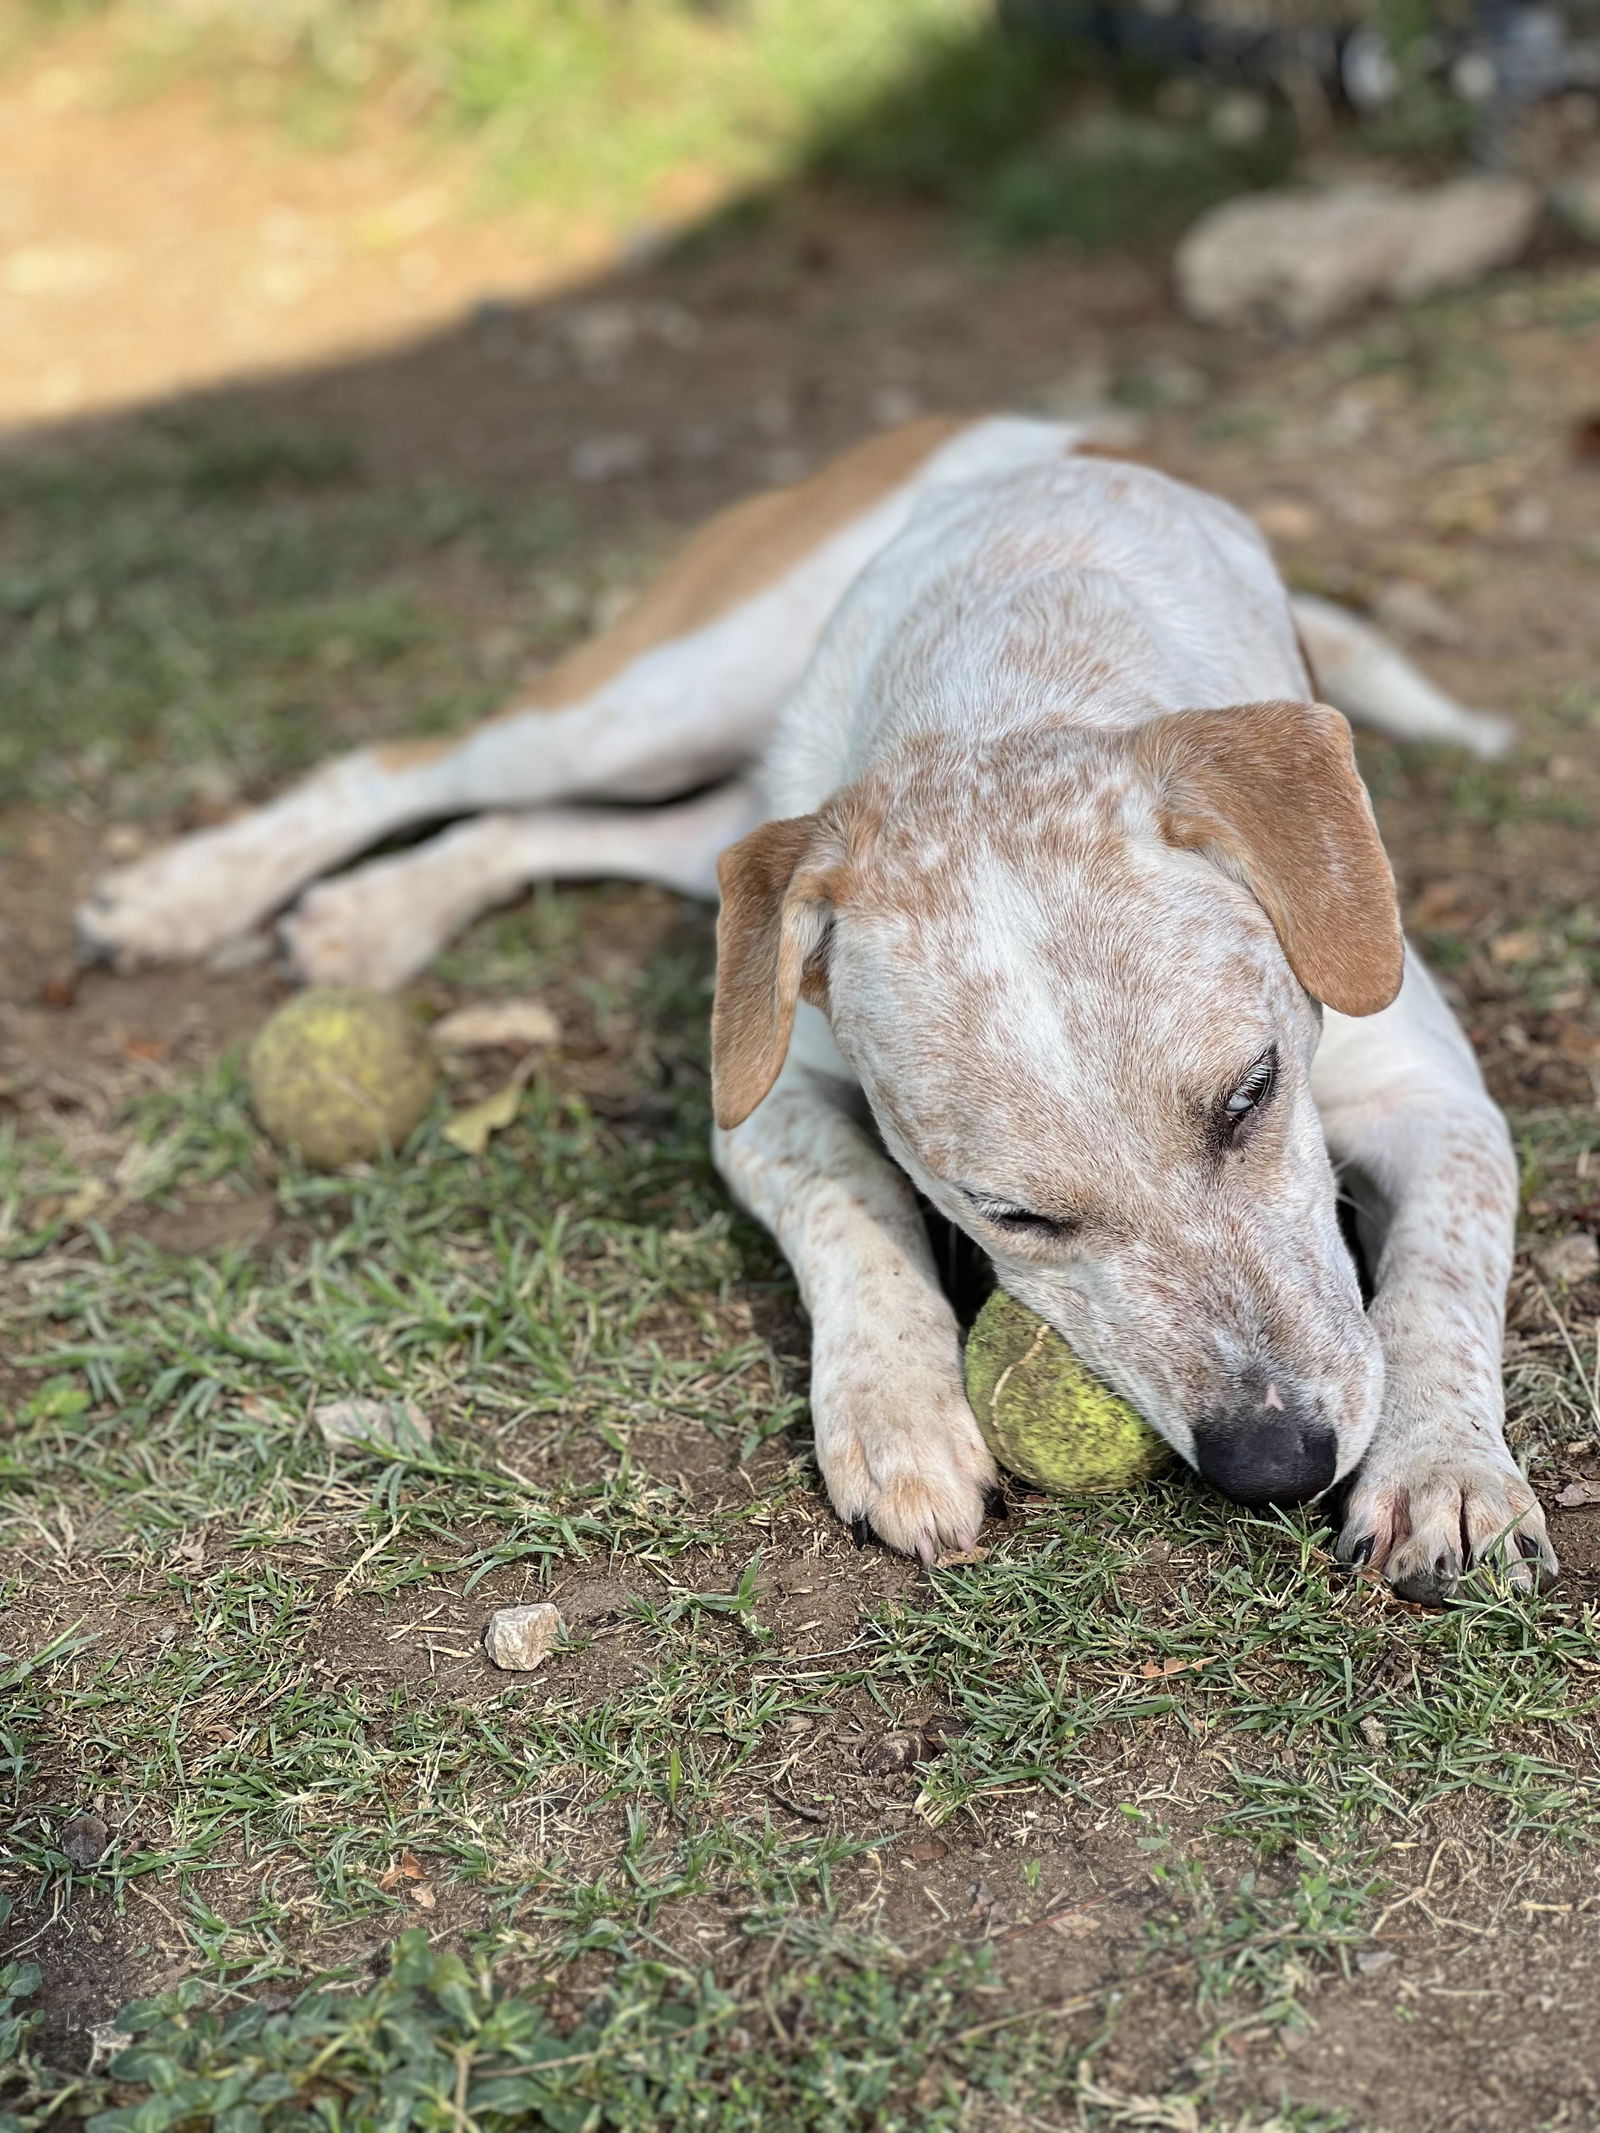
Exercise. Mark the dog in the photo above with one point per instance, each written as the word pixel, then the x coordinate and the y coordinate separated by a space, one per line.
pixel 1050 894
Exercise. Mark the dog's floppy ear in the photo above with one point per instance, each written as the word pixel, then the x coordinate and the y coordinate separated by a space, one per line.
pixel 771 940
pixel 1271 793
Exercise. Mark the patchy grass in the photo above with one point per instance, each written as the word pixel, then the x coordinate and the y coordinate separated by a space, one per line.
pixel 1028 136
pixel 1124 1823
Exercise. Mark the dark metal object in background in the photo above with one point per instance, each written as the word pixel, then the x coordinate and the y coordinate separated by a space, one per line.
pixel 1497 57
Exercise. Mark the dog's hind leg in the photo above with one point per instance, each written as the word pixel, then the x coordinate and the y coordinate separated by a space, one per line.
pixel 1362 675
pixel 382 923
pixel 682 691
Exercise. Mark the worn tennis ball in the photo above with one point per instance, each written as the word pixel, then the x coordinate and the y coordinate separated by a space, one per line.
pixel 340 1074
pixel 1044 1415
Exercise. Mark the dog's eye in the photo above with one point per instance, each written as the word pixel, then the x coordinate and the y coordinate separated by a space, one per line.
pixel 1022 1221
pixel 1256 1087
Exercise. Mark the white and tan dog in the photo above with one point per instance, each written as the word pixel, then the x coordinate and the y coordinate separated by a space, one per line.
pixel 1060 902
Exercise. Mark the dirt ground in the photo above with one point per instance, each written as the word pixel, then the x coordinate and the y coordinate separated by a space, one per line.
pixel 1436 467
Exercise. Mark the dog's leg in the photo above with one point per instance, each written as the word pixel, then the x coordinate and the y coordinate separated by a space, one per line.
pixel 382 923
pixel 1430 1167
pixel 1362 675
pixel 896 1441
pixel 680 692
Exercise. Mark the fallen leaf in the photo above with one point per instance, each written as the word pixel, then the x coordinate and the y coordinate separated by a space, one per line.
pixel 489 1025
pixel 408 1867
pixel 423 1897
pixel 957 1557
pixel 1162 1670
pixel 145 1048
pixel 1578 1495
pixel 470 1128
pixel 189 1555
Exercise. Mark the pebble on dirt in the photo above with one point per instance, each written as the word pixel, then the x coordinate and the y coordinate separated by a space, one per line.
pixel 518 1639
pixel 1298 259
pixel 84 1839
pixel 1569 1260
pixel 398 1422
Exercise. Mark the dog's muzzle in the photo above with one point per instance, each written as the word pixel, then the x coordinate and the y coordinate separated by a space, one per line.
pixel 1267 1446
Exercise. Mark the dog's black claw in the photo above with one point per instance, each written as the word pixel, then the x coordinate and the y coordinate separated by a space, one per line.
pixel 996 1504
pixel 1358 1556
pixel 861 1531
pixel 1435 1586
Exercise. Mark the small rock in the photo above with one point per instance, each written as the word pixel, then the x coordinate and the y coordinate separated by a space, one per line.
pixel 518 1639
pixel 357 1422
pixel 893 1753
pixel 611 457
pixel 1371 1960
pixel 1577 201
pixel 1299 259
pixel 1286 518
pixel 1521 946
pixel 1569 1260
pixel 496 1025
pixel 890 405
pixel 84 1839
pixel 1239 117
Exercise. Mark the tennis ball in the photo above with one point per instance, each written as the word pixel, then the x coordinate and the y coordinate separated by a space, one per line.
pixel 1044 1416
pixel 339 1074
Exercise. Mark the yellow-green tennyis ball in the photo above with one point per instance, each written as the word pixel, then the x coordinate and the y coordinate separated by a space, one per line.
pixel 1044 1415
pixel 339 1074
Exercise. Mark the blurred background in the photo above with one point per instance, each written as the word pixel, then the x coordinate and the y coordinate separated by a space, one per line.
pixel 358 355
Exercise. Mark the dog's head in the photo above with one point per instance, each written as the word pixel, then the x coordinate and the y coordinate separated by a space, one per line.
pixel 1080 977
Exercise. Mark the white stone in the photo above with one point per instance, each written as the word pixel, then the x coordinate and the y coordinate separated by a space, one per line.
pixel 356 1422
pixel 490 1025
pixel 1300 259
pixel 518 1639
pixel 1569 1259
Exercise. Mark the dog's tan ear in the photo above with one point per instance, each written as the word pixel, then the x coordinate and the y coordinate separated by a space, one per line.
pixel 1272 794
pixel 771 936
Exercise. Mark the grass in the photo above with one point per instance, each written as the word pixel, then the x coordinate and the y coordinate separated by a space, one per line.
pixel 782 1834
pixel 644 121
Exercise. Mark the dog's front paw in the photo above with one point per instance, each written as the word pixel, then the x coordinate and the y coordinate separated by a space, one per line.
pixel 1425 1520
pixel 906 1463
pixel 356 931
pixel 170 908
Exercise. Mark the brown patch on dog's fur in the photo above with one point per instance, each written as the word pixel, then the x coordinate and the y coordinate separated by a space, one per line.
pixel 768 892
pixel 1273 792
pixel 732 558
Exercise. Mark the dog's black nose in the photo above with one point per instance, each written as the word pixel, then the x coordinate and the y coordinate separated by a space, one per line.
pixel 1268 1446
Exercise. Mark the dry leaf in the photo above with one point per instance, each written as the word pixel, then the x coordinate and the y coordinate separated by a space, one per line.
pixel 489 1025
pixel 1162 1670
pixel 470 1128
pixel 1523 946
pixel 189 1555
pixel 1578 1495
